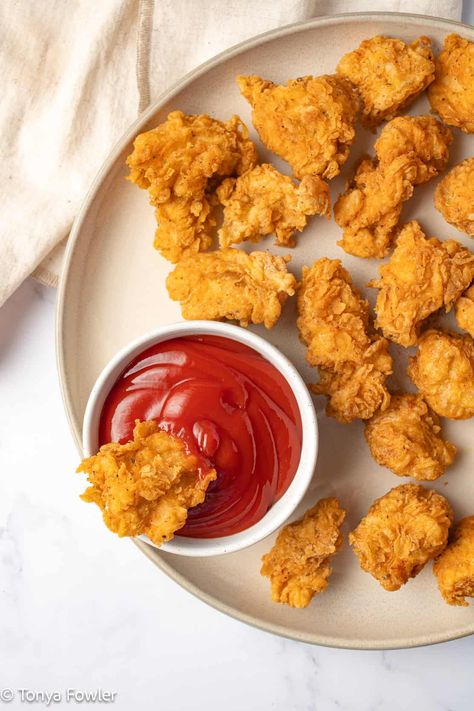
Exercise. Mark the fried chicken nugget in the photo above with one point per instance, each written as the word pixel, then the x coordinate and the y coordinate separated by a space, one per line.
pixel 147 485
pixel 333 322
pixel 184 227
pixel 422 276
pixel 401 532
pixel 464 311
pixel 454 567
pixel 389 75
pixel 451 95
pixel 369 209
pixel 454 197
pixel 406 438
pixel 230 284
pixel 298 565
pixel 309 122
pixel 422 137
pixel 263 202
pixel 443 372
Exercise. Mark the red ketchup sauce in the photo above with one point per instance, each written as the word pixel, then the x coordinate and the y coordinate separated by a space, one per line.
pixel 233 409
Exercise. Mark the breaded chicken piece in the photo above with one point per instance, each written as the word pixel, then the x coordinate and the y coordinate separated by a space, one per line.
pixel 369 209
pixel 422 137
pixel 147 485
pixel 406 438
pixel 464 311
pixel 389 75
pixel 451 94
pixel 298 565
pixel 309 122
pixel 333 322
pixel 230 284
pixel 422 276
pixel 443 372
pixel 454 197
pixel 181 155
pixel 401 532
pixel 263 202
pixel 184 227
pixel 454 568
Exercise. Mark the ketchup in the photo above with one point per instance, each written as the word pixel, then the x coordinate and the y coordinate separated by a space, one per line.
pixel 234 411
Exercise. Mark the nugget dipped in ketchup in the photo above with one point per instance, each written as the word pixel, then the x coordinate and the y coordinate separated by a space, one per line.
pixel 199 436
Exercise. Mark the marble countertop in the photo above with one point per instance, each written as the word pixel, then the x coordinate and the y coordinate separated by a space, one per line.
pixel 80 609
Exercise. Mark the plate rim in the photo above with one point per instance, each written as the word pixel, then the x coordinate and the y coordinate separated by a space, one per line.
pixel 76 427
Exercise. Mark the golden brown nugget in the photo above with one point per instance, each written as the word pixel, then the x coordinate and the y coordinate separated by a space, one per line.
pixel 263 202
pixel 454 568
pixel 454 197
pixel 406 438
pixel 401 532
pixel 443 372
pixel 230 284
pixel 423 138
pixel 184 227
pixel 180 156
pixel 464 311
pixel 451 94
pixel 333 322
pixel 369 209
pixel 147 485
pixel 389 74
pixel 422 276
pixel 298 565
pixel 310 122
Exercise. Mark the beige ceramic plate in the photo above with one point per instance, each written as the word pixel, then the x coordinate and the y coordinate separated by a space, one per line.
pixel 113 290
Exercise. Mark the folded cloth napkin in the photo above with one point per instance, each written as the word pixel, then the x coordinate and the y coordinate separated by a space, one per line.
pixel 75 76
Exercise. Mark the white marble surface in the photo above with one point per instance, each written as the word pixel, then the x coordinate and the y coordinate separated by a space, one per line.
pixel 81 609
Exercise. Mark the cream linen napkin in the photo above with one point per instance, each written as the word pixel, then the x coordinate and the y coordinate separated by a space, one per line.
pixel 75 74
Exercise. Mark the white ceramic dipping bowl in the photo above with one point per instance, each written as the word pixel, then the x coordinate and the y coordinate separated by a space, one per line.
pixel 281 510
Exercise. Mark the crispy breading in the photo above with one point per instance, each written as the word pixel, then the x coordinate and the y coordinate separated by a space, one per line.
pixel 181 155
pixel 422 137
pixel 406 438
pixel 451 94
pixel 389 74
pixel 422 276
pixel 369 209
pixel 147 485
pixel 309 122
pixel 333 322
pixel 454 197
pixel 443 372
pixel 401 532
pixel 230 284
pixel 454 567
pixel 298 565
pixel 356 390
pixel 263 202
pixel 464 311
pixel 184 227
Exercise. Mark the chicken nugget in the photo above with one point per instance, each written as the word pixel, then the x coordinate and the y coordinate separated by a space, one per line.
pixel 443 372
pixel 230 284
pixel 389 75
pixel 451 94
pixel 310 122
pixel 422 276
pixel 464 311
pixel 147 485
pixel 401 532
pixel 454 197
pixel 369 209
pixel 454 567
pixel 406 438
pixel 184 227
pixel 263 202
pixel 298 565
pixel 422 137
